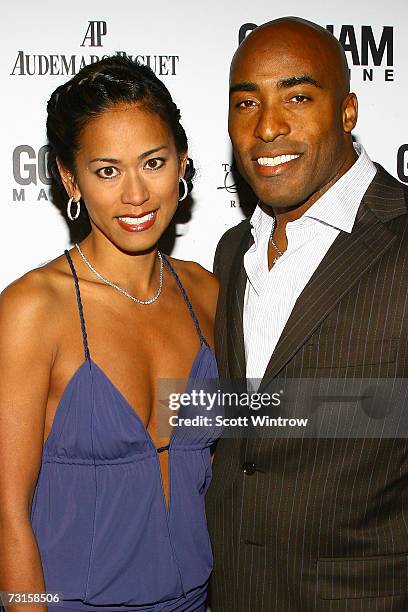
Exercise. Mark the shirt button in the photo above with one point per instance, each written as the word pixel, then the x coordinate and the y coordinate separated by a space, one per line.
pixel 249 468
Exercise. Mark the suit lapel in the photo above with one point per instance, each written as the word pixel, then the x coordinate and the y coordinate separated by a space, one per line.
pixel 235 307
pixel 349 257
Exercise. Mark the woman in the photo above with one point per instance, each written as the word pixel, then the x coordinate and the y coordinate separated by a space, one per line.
pixel 96 503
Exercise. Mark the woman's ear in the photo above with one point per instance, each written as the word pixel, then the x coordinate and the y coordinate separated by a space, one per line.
pixel 69 182
pixel 183 163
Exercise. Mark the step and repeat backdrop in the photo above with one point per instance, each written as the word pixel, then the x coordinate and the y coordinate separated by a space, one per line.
pixel 189 45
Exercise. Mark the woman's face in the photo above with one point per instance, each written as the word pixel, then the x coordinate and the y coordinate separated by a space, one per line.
pixel 127 172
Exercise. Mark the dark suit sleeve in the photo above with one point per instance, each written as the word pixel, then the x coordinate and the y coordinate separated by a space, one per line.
pixel 226 248
pixel 217 265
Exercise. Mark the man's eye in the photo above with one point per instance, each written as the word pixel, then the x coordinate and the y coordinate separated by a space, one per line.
pixel 299 99
pixel 246 104
pixel 107 172
pixel 155 163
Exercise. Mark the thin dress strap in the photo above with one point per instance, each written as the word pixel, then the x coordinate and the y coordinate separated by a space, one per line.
pixel 187 301
pixel 80 308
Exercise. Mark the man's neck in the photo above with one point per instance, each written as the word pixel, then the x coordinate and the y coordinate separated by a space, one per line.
pixel 284 216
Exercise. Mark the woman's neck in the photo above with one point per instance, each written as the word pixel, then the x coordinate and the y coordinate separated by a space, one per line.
pixel 137 273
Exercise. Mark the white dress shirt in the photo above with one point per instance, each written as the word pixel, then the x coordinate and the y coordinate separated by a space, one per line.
pixel 270 295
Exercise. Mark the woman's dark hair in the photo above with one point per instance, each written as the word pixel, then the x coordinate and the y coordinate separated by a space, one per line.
pixel 95 89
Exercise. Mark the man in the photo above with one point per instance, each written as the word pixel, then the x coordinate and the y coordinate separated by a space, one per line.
pixel 314 285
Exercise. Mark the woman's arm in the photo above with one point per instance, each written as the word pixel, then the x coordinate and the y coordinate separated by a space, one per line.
pixel 26 356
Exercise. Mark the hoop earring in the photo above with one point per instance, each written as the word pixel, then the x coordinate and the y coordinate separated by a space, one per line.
pixel 72 217
pixel 185 194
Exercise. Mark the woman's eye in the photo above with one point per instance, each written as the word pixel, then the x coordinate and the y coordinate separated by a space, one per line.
pixel 155 163
pixel 108 172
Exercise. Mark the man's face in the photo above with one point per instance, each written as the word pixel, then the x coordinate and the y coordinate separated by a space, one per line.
pixel 289 122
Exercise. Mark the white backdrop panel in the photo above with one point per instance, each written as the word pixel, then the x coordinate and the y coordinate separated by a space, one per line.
pixel 196 42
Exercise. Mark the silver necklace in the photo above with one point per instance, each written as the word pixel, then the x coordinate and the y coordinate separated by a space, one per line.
pixel 273 243
pixel 122 291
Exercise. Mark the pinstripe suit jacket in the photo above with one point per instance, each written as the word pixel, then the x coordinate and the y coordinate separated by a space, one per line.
pixel 321 524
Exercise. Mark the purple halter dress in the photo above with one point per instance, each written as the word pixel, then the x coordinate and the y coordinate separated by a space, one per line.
pixel 106 539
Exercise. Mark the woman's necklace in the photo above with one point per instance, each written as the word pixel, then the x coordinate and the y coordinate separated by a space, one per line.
pixel 122 291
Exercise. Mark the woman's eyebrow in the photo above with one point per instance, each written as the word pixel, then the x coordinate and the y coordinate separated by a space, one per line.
pixel 113 160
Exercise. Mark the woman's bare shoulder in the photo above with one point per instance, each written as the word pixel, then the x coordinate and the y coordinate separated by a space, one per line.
pixel 197 279
pixel 37 293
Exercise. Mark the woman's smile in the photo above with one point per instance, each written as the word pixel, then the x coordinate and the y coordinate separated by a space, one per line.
pixel 137 224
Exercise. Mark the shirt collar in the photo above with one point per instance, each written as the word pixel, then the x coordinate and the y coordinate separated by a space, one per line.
pixel 261 224
pixel 337 207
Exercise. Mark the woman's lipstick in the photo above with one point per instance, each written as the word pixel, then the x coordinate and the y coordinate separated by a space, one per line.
pixel 137 224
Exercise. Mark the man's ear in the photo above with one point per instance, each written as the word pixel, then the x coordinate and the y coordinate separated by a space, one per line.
pixel 69 182
pixel 350 112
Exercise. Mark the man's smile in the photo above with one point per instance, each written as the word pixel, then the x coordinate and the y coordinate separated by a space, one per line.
pixel 277 160
pixel 275 165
